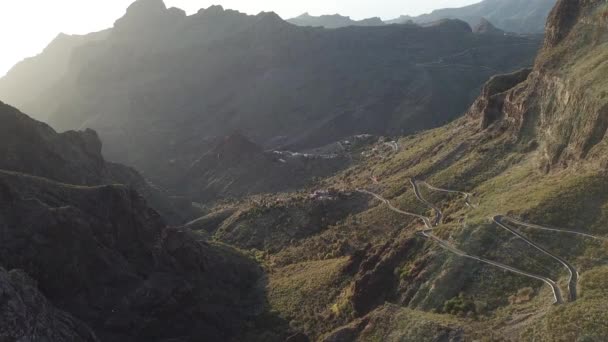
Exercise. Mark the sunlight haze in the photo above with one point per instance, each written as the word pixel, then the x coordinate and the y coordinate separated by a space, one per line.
pixel 27 26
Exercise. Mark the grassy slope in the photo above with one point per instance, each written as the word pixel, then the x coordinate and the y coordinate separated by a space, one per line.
pixel 483 302
pixel 506 181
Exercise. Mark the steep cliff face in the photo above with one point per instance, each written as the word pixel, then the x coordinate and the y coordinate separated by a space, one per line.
pixel 563 103
pixel 34 148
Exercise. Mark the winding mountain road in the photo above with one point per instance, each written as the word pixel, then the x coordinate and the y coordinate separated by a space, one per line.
pixel 573 278
pixel 557 230
pixel 436 209
pixel 499 220
pixel 427 233
pixel 425 220
pixel 467 196
pixel 557 294
pixel 438 217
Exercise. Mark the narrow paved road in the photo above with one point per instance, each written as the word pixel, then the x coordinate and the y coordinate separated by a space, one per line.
pixel 573 279
pixel 557 293
pixel 501 221
pixel 436 209
pixel 467 196
pixel 427 233
pixel 439 216
pixel 557 230
pixel 425 220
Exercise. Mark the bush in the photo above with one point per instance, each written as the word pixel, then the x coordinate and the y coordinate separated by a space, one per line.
pixel 459 305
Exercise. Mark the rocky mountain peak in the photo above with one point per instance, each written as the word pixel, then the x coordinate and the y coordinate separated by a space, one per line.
pixel 212 11
pixel 140 14
pixel 146 7
pixel 485 26
pixel 561 20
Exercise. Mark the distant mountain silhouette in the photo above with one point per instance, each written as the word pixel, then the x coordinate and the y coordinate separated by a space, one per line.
pixel 160 86
pixel 333 21
pixel 518 16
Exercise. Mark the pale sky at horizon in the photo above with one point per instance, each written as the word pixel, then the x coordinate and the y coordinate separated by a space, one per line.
pixel 27 26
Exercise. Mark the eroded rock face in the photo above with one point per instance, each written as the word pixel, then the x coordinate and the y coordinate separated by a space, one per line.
pixel 489 106
pixel 101 254
pixel 561 20
pixel 26 315
pixel 562 102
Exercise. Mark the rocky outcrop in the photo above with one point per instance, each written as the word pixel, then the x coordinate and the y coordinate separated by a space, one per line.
pixel 34 148
pixel 489 106
pixel 561 105
pixel 561 20
pixel 102 255
pixel 26 315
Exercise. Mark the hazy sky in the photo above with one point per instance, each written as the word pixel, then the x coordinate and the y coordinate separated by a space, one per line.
pixel 27 26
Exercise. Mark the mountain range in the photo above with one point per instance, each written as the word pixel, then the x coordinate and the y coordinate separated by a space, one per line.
pixel 160 96
pixel 490 227
pixel 517 16
pixel 333 21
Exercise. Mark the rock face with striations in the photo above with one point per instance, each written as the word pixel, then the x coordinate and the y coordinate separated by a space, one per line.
pixel 562 103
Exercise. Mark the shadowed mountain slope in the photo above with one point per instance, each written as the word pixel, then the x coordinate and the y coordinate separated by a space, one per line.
pixel 89 260
pixel 34 148
pixel 164 86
